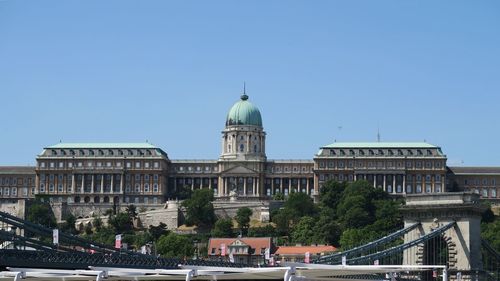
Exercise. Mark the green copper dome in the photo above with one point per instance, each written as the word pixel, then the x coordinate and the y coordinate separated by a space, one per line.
pixel 244 113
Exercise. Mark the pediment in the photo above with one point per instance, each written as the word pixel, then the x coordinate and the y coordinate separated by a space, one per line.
pixel 239 170
pixel 238 243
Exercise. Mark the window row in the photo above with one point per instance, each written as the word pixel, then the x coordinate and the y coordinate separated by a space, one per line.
pixel 286 169
pixel 198 169
pixel 381 164
pixel 102 152
pixel 15 181
pixel 108 164
pixel 485 192
pixel 480 181
pixel 384 152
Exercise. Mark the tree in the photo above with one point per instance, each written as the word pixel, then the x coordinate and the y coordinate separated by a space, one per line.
pixel 122 222
pixel 223 228
pixel 303 231
pixel 175 245
pixel 131 211
pixel 327 231
pixel 262 231
pixel 69 224
pixel 279 196
pixel 199 208
pixel 97 223
pixel 298 205
pixel 330 195
pixel 157 231
pixel 490 232
pixel 41 213
pixel 243 219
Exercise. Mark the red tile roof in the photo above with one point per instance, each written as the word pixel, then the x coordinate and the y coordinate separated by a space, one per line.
pixel 255 243
pixel 301 250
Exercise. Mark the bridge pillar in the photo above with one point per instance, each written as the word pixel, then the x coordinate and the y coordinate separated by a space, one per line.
pixel 463 241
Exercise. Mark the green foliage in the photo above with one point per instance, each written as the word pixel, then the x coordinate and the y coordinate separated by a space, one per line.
pixel 327 231
pixel 488 216
pixel 490 232
pixel 41 213
pixel 223 228
pixel 282 220
pixel 175 245
pixel 299 205
pixel 157 231
pixel 131 211
pixel 279 196
pixel 105 235
pixel 303 231
pixel 262 231
pixel 183 192
pixel 121 223
pixel 329 197
pixel 243 219
pixel 69 225
pixel 199 208
pixel 97 223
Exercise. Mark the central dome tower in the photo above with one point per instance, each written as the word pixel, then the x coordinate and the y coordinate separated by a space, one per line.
pixel 243 136
pixel 243 156
pixel 244 112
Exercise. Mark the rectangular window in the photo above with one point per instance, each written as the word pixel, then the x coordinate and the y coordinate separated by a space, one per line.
pixel 128 165
pixel 156 164
pixel 146 165
pixel 137 164
pixel 61 165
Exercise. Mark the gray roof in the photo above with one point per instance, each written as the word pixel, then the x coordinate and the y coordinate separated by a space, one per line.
pixel 103 145
pixel 380 145
pixel 475 170
pixel 17 170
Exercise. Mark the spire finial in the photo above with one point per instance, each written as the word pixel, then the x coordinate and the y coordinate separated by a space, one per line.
pixel 378 134
pixel 244 95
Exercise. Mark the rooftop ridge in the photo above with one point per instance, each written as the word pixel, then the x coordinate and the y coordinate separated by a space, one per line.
pixel 380 145
pixel 102 145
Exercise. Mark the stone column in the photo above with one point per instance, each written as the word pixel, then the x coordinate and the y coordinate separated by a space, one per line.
pixel 383 186
pixel 210 183
pixel 73 185
pixel 257 188
pixel 393 183
pixel 112 183
pixel 245 186
pixel 82 188
pixel 121 183
pixel 281 186
pixel 92 187
pixel 102 183
pixel 192 183
pixel 248 143
pixel 225 186
pixel 374 180
pixel 289 185
pixel 307 186
pixel 272 186
pixel 404 184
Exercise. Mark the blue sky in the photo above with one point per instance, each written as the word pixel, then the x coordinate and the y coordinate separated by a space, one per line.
pixel 168 72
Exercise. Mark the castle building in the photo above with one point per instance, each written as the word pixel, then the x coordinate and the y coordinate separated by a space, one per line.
pixel 141 173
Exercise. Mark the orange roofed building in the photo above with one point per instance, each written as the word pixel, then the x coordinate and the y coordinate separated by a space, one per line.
pixel 243 250
pixel 298 253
